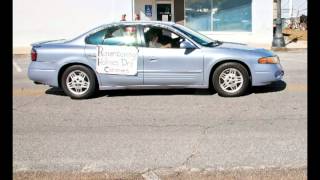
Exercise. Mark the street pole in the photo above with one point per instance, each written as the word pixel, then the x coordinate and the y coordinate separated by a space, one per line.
pixel 278 39
pixel 290 8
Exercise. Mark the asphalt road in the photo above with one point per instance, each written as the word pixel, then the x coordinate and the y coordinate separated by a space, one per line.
pixel 174 129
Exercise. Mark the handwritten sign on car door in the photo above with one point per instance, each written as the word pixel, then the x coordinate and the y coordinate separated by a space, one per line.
pixel 121 60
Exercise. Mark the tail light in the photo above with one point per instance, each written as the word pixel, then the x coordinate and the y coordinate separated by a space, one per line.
pixel 33 55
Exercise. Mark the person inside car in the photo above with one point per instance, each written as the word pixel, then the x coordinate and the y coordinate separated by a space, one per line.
pixel 123 17
pixel 153 43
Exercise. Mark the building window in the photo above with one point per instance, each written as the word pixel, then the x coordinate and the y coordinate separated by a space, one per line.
pixel 219 15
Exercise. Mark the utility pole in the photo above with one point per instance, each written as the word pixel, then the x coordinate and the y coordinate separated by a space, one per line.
pixel 278 39
pixel 290 8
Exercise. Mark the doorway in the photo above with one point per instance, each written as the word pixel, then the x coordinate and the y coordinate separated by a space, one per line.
pixel 164 11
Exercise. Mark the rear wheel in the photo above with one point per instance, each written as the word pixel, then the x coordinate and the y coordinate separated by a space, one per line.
pixel 78 82
pixel 231 79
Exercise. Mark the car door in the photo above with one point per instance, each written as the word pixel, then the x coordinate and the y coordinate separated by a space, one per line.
pixel 116 36
pixel 173 66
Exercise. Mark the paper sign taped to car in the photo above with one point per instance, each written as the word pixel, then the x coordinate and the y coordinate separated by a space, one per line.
pixel 122 60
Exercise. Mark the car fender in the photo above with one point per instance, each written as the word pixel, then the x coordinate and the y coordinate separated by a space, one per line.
pixel 77 60
pixel 214 62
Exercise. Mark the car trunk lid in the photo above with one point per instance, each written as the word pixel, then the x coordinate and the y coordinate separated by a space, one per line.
pixel 38 44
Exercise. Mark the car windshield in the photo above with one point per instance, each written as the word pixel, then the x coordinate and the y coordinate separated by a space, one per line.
pixel 197 37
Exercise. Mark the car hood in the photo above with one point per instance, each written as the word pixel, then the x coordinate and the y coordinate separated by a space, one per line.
pixel 244 47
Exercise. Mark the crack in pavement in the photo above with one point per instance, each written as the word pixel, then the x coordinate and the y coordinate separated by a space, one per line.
pixel 195 151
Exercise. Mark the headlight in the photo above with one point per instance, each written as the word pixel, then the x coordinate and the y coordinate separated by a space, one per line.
pixel 269 60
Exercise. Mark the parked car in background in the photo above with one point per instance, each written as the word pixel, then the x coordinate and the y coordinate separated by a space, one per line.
pixel 151 54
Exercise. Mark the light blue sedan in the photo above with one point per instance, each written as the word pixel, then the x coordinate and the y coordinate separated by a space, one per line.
pixel 151 54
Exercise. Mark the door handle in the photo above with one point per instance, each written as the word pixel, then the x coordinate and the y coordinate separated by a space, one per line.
pixel 153 59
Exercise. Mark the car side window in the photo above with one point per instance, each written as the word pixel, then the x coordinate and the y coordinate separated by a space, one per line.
pixel 115 36
pixel 157 37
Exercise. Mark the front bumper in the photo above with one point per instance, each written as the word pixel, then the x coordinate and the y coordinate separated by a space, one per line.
pixel 265 74
pixel 43 73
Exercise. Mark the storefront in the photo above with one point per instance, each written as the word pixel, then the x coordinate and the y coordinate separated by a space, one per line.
pixel 246 21
pixel 160 10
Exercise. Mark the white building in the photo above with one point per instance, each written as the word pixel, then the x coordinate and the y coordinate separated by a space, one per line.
pixel 245 21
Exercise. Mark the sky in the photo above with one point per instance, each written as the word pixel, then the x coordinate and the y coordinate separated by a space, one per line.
pixel 299 8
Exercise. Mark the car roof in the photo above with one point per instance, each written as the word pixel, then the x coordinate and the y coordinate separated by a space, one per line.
pixel 143 22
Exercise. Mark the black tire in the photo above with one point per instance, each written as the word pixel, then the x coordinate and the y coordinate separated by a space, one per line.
pixel 237 92
pixel 90 77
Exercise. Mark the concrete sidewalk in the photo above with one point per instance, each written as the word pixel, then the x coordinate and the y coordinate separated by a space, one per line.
pixel 21 50
pixel 298 45
pixel 290 45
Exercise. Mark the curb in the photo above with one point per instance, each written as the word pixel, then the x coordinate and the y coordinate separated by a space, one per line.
pixel 284 49
pixel 21 50
pixel 20 55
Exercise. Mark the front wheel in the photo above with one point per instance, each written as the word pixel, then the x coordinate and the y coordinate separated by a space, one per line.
pixel 78 82
pixel 231 79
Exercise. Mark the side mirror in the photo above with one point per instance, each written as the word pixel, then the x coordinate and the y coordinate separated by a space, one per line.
pixel 187 45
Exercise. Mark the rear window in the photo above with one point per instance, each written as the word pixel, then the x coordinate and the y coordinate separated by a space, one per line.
pixel 115 36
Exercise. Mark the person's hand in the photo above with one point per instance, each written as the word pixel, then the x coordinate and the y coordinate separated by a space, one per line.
pixel 167 45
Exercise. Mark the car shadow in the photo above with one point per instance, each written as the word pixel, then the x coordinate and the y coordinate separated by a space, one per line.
pixel 274 87
pixel 140 92
pixel 55 91
pixel 154 92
